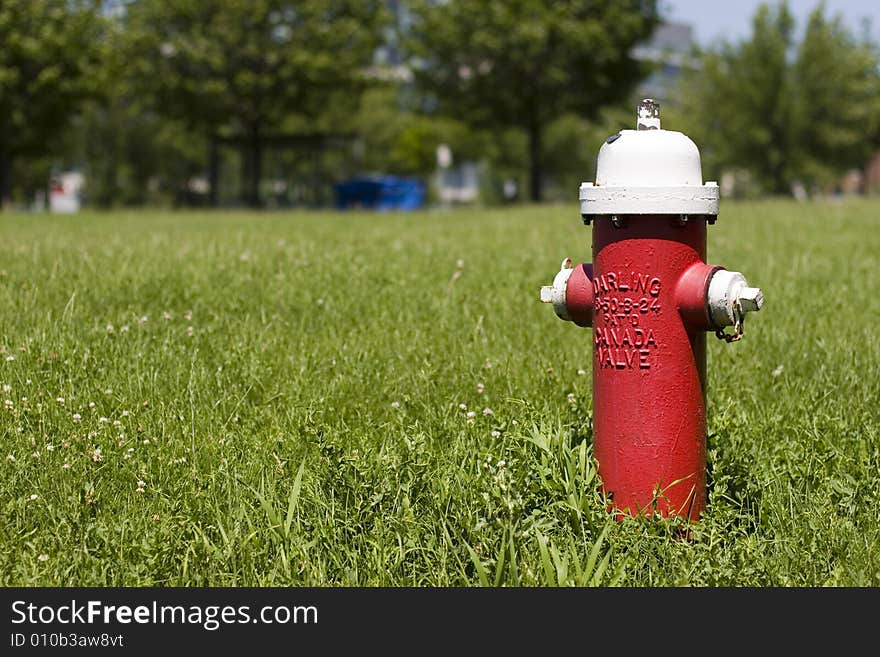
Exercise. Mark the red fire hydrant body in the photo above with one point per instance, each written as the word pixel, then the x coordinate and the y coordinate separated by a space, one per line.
pixel 650 299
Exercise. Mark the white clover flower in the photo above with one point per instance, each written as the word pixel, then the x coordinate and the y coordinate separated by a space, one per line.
pixel 7 387
pixel 34 496
pixel 9 403
pixel 50 448
pixel 166 316
pixel 91 404
pixel 77 417
pixel 110 328
pixel 108 391
pixel 778 370
pixel 471 414
pixel 66 466
pixel 60 400
pixel 496 433
pixel 190 331
pixel 97 457
pixel 188 315
pixel 103 420
pixel 488 411
pixel 10 358
pixel 141 483
pixel 43 557
pixel 463 407
pixel 395 404
pixel 480 388
pixel 36 455
pixel 125 414
pixel 143 319
pixel 582 372
pixel 571 398
pixel 10 457
pixel 123 328
pixel 117 423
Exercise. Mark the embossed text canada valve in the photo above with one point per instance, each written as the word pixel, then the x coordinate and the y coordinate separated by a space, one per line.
pixel 650 298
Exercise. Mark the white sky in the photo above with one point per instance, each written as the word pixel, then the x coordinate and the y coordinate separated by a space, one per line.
pixel 732 19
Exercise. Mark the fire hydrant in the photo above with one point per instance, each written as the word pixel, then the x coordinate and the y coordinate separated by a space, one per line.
pixel 650 298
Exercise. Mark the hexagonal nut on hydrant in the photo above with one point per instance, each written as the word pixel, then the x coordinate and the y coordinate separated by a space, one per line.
pixel 750 299
pixel 730 297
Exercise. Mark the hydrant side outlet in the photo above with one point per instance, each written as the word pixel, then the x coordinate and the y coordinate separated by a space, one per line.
pixel 651 298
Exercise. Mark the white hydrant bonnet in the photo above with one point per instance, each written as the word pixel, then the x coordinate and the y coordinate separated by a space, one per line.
pixel 649 171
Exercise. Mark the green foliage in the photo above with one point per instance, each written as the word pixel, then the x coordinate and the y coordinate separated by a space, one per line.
pixel 785 111
pixel 129 154
pixel 50 62
pixel 237 64
pixel 295 425
pixel 837 112
pixel 401 141
pixel 241 68
pixel 526 62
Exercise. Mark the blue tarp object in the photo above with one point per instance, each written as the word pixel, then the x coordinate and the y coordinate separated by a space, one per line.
pixel 381 193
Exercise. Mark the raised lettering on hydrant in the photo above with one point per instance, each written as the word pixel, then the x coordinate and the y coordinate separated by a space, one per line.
pixel 650 298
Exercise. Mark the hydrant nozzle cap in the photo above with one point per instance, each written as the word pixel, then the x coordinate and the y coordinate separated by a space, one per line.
pixel 729 297
pixel 555 293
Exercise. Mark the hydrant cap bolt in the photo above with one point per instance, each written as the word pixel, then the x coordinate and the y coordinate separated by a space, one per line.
pixel 751 299
pixel 649 115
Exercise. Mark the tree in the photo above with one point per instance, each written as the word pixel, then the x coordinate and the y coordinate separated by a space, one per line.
pixel 837 114
pixel 522 63
pixel 128 153
pixel 242 67
pixel 50 62
pixel 781 110
pixel 397 140
pixel 131 156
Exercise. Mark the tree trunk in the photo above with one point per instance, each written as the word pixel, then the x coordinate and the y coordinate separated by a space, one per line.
pixel 5 180
pixel 255 157
pixel 535 168
pixel 214 173
pixel 780 182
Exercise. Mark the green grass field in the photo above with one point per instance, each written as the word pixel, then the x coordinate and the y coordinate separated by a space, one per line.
pixel 238 399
